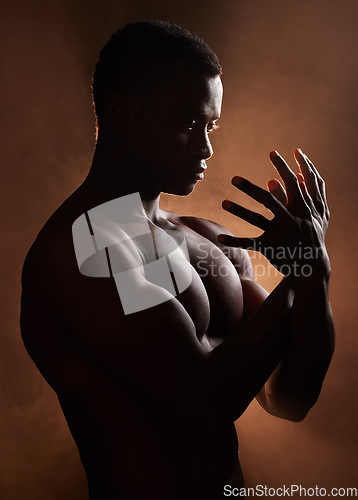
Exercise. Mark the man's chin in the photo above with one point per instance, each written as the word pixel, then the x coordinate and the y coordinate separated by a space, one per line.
pixel 180 190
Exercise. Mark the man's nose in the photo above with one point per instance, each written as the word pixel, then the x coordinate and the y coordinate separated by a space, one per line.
pixel 201 146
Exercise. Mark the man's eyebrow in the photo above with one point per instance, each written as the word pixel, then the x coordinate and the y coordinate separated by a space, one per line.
pixel 199 114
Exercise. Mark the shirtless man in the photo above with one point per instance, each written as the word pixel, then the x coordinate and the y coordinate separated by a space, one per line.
pixel 151 394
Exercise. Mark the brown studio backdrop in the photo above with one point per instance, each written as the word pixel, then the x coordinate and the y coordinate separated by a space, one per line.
pixel 290 76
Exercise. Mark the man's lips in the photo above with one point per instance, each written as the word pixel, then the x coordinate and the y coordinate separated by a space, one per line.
pixel 196 171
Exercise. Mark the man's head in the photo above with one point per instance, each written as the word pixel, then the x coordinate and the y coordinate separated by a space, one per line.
pixel 142 54
pixel 157 94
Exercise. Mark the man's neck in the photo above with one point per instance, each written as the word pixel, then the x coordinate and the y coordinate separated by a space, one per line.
pixel 110 178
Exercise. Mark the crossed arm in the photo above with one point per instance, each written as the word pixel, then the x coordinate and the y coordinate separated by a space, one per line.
pixel 294 243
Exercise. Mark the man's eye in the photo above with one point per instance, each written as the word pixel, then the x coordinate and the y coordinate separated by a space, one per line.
pixel 212 126
pixel 191 124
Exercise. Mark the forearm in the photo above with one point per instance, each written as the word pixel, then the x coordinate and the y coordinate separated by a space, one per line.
pixel 241 365
pixel 296 384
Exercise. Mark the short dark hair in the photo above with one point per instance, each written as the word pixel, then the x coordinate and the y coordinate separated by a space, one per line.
pixel 137 55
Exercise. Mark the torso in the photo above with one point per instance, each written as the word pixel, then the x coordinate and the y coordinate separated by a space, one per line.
pixel 150 451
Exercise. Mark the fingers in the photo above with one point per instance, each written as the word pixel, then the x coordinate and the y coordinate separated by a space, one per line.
pixel 261 195
pixel 321 183
pixel 305 193
pixel 294 196
pixel 253 218
pixel 308 174
pixel 275 187
pixel 314 186
pixel 232 241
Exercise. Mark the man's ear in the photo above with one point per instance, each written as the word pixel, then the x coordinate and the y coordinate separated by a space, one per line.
pixel 117 109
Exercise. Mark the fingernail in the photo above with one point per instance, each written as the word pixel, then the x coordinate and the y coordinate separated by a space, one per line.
pixel 237 180
pixel 304 156
pixel 226 204
pixel 273 184
pixel 274 154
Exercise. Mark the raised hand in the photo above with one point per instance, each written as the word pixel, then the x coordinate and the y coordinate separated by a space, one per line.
pixel 293 240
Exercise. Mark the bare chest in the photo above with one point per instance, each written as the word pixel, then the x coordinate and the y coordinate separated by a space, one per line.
pixel 221 283
pixel 213 298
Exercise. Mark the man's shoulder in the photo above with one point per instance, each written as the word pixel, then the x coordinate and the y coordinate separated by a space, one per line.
pixel 54 241
pixel 51 252
pixel 207 228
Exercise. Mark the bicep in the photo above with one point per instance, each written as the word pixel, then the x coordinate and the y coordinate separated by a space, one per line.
pixel 154 352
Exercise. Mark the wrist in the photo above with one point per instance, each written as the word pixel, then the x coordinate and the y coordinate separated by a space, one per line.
pixel 314 270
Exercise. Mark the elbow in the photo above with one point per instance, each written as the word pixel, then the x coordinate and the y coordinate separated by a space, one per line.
pixel 294 401
pixel 294 408
pixel 297 414
pixel 303 408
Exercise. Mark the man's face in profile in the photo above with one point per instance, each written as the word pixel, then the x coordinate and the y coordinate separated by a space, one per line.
pixel 170 142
